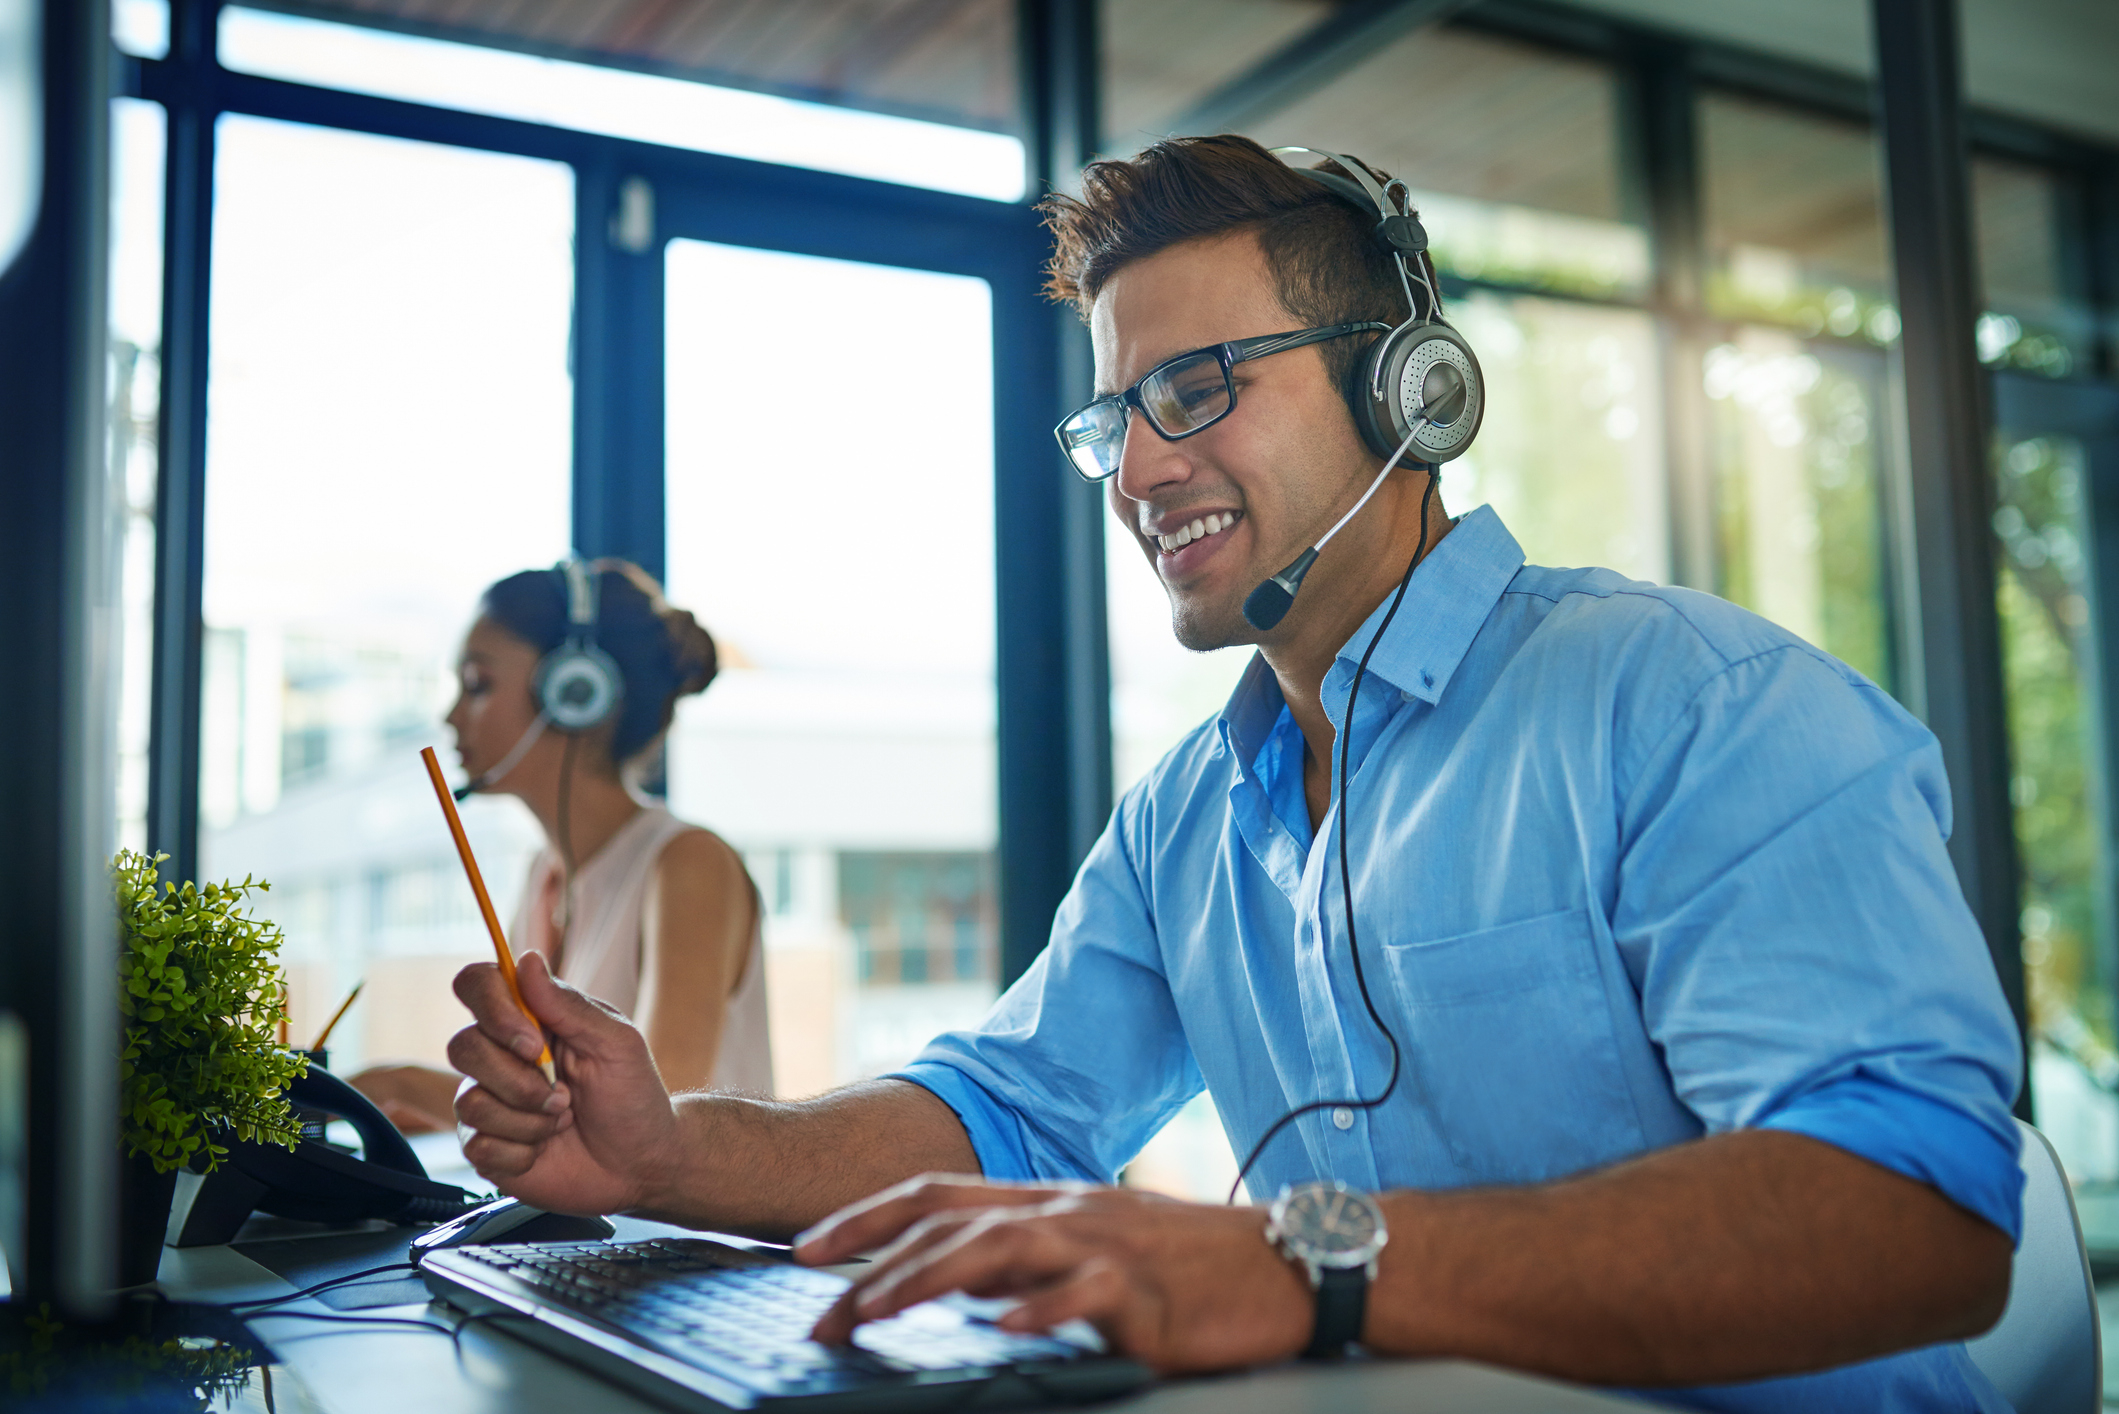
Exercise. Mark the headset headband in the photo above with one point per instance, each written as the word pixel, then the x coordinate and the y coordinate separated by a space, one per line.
pixel 1397 231
pixel 1418 387
pixel 582 594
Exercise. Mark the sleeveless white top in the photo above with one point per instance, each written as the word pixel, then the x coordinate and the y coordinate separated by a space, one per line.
pixel 605 942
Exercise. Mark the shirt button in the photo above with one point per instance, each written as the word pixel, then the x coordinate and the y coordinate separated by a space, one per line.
pixel 1343 1118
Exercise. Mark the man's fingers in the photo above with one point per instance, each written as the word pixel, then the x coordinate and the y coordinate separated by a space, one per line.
pixel 571 1016
pixel 884 1214
pixel 1097 1292
pixel 837 1324
pixel 481 988
pixel 481 1111
pixel 511 1079
pixel 499 1159
pixel 993 1256
pixel 872 1222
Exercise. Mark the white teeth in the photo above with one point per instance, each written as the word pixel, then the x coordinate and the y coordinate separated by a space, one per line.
pixel 1199 529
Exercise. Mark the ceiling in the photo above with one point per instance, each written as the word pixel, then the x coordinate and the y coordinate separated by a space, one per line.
pixel 1525 128
pixel 2051 61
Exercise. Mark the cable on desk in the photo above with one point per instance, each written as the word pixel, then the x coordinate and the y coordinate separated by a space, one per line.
pixel 335 1319
pixel 456 1333
pixel 323 1286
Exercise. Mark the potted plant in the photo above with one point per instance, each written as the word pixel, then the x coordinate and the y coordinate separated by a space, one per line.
pixel 200 999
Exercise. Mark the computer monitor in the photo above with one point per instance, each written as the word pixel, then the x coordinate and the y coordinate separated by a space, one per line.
pixel 58 1005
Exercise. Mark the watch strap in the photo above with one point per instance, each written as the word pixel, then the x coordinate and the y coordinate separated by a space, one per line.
pixel 1342 1302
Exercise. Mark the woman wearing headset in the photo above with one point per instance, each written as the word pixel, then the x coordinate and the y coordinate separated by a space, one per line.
pixel 628 903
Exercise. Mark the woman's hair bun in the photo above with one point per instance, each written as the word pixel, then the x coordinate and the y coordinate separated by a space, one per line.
pixel 692 651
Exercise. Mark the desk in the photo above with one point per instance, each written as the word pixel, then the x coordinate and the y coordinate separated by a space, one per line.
pixel 345 1369
pixel 362 1370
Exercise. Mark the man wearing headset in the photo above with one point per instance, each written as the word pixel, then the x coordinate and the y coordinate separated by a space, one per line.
pixel 1603 1005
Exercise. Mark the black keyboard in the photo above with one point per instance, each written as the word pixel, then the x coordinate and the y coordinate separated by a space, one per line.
pixel 741 1320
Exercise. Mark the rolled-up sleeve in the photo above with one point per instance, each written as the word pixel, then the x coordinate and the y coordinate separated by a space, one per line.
pixel 1803 952
pixel 1083 1059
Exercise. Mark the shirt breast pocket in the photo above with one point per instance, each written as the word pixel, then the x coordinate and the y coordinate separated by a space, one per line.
pixel 1511 1050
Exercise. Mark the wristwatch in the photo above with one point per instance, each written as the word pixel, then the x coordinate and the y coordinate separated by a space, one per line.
pixel 1335 1234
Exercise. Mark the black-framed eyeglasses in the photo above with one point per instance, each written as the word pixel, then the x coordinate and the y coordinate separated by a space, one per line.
pixel 1179 396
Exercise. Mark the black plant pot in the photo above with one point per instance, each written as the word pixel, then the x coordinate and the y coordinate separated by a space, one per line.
pixel 143 1218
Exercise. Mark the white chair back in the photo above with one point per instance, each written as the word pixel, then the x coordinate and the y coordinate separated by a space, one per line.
pixel 2046 1354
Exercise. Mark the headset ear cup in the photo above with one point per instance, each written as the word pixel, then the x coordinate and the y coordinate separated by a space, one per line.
pixel 1369 413
pixel 579 686
pixel 1427 365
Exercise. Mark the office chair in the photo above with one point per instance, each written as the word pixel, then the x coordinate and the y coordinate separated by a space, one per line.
pixel 2046 1353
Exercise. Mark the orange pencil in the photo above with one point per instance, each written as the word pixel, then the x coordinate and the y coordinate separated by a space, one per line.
pixel 501 953
pixel 324 1036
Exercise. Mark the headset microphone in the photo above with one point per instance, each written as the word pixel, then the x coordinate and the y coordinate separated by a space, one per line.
pixel 1269 603
pixel 507 763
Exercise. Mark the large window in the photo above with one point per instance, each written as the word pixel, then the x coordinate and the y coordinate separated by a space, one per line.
pixel 1796 427
pixel 2058 788
pixel 1793 210
pixel 830 494
pixel 2034 321
pixel 389 433
pixel 2051 450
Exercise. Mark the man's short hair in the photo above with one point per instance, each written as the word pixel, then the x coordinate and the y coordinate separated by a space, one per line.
pixel 1326 266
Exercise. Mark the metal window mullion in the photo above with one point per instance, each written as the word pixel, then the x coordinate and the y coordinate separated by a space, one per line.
pixel 1052 656
pixel 180 440
pixel 2100 260
pixel 617 357
pixel 1947 425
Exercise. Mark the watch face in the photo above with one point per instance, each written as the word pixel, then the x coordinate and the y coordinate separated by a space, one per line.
pixel 1324 1221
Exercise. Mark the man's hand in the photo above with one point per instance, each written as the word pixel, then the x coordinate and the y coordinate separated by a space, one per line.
pixel 600 1140
pixel 1181 1287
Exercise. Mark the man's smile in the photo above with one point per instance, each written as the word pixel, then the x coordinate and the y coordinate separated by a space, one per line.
pixel 1183 545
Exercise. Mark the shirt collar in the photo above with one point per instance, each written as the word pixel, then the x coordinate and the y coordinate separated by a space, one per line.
pixel 1248 717
pixel 1452 593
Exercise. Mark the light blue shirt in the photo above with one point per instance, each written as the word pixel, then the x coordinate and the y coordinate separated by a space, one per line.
pixel 1630 866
